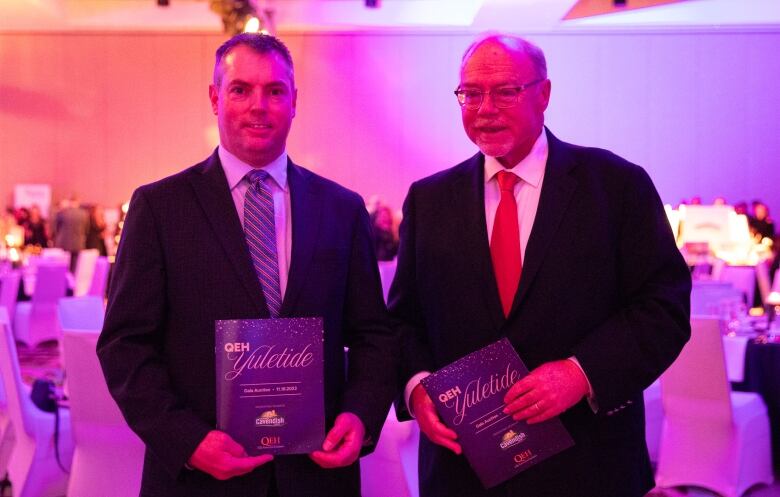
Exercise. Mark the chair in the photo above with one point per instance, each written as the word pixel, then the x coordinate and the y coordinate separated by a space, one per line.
pixel 385 472
pixel 33 468
pixel 36 321
pixel 81 313
pixel 7 437
pixel 707 296
pixel 743 278
pixel 108 458
pixel 9 292
pixel 654 419
pixel 386 274
pixel 57 254
pixel 99 278
pixel 85 269
pixel 712 437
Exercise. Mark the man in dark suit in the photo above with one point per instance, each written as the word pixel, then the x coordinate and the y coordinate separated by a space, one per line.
pixel 563 249
pixel 187 258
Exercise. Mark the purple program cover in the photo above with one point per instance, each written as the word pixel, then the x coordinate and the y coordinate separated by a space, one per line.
pixel 469 397
pixel 270 395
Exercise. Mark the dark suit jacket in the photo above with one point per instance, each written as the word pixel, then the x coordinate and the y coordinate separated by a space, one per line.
pixel 182 264
pixel 602 280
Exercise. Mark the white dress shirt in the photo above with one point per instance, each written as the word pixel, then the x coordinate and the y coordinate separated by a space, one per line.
pixel 236 171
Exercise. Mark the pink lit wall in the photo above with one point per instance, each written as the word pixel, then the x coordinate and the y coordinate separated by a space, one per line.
pixel 100 113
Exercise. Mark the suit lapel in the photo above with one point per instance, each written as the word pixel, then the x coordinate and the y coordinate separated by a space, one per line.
pixel 557 190
pixel 470 188
pixel 306 219
pixel 211 190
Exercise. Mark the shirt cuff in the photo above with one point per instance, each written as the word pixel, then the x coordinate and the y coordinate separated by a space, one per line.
pixel 413 382
pixel 594 405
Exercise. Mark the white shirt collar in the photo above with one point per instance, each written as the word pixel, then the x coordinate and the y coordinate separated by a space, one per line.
pixel 530 169
pixel 236 169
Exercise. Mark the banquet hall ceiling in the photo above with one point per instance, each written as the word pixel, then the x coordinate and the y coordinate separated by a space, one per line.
pixel 517 15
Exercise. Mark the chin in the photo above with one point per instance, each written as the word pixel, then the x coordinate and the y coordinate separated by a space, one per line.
pixel 494 149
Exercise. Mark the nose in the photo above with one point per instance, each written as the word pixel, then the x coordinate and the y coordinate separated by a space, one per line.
pixel 487 106
pixel 259 101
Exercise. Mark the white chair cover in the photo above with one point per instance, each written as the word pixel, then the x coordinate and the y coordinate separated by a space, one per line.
pixel 7 437
pixel 706 296
pixel 33 468
pixel 57 254
pixel 99 430
pixel 85 269
pixel 386 274
pixel 743 278
pixel 99 278
pixel 654 419
pixel 36 321
pixel 81 313
pixel 712 437
pixel 9 292
pixel 391 470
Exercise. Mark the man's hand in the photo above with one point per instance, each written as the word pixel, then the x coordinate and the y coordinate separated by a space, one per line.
pixel 223 458
pixel 342 443
pixel 430 424
pixel 546 392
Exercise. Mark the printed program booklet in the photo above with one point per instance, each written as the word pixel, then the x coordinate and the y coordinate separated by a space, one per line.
pixel 469 397
pixel 270 393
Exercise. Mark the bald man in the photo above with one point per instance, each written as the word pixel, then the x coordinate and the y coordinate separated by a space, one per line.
pixel 564 250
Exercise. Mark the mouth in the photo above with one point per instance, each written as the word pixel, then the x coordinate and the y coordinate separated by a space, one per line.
pixel 490 129
pixel 258 127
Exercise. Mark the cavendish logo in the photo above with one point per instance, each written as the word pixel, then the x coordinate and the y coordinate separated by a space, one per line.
pixel 270 418
pixel 511 438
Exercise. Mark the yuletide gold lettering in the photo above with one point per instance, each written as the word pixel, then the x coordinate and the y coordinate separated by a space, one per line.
pixel 478 390
pixel 267 357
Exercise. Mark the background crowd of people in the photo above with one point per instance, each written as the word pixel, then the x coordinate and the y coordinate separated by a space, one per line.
pixel 73 226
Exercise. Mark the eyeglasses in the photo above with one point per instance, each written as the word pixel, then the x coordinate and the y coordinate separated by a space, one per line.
pixel 503 98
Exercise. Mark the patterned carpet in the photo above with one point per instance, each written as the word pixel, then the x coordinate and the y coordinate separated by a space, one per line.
pixel 42 361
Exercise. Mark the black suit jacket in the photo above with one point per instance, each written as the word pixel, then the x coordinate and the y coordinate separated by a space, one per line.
pixel 182 264
pixel 602 280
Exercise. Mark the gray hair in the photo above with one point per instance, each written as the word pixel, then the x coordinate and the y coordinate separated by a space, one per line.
pixel 515 43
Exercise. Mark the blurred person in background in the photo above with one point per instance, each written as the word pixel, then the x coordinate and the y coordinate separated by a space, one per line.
pixel 70 228
pixel 36 229
pixel 383 233
pixel 760 222
pixel 97 229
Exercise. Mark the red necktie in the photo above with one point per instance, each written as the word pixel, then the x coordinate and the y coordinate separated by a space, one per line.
pixel 505 241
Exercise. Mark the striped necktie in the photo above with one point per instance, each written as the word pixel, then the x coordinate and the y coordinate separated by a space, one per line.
pixel 261 237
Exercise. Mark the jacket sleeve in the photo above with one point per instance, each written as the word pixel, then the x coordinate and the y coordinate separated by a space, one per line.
pixel 404 306
pixel 630 349
pixel 373 344
pixel 130 347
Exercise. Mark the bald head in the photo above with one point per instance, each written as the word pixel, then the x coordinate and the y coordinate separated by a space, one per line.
pixel 507 77
pixel 510 43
